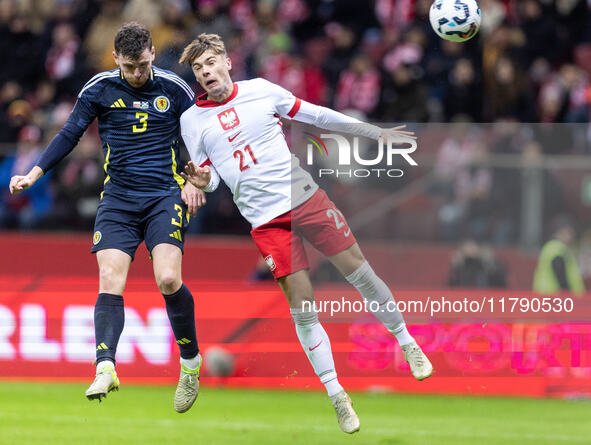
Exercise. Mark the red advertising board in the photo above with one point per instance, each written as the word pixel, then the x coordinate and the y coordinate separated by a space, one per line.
pixel 46 332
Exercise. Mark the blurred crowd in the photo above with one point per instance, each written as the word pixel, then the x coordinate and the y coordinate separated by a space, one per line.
pixel 378 59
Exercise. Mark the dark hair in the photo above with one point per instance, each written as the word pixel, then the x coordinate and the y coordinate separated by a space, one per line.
pixel 132 39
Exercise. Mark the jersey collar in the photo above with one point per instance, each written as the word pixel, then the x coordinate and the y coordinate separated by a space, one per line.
pixel 202 100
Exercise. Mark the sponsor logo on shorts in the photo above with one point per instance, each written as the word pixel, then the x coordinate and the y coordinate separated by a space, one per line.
pixel 177 235
pixel 161 103
pixel 97 237
pixel 270 263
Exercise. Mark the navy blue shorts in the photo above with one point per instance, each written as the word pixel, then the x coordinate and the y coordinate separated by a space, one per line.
pixel 123 222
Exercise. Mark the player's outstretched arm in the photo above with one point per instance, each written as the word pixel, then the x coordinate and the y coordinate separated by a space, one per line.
pixel 332 120
pixel 20 183
pixel 67 138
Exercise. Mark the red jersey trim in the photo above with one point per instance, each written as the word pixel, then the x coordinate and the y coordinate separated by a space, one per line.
pixel 295 108
pixel 207 162
pixel 202 100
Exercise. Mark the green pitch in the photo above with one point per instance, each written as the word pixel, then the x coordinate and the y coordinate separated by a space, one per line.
pixel 48 414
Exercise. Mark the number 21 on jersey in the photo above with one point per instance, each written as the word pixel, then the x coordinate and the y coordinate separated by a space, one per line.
pixel 238 154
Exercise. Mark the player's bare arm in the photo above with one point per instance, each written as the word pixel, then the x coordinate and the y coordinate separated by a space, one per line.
pixel 198 176
pixel 193 197
pixel 19 183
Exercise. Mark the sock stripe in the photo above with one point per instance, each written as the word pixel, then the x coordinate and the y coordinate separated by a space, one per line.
pixel 180 308
pixel 109 319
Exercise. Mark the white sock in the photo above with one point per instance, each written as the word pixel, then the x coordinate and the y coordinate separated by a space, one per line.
pixel 104 364
pixel 403 336
pixel 316 344
pixel 373 289
pixel 191 363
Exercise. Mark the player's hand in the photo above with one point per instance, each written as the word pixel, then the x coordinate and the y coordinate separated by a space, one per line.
pixel 193 197
pixel 198 176
pixel 20 183
pixel 397 134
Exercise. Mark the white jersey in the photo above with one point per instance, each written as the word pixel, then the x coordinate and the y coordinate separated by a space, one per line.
pixel 242 140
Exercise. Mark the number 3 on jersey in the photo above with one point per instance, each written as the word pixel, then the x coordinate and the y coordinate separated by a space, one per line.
pixel 143 117
pixel 240 156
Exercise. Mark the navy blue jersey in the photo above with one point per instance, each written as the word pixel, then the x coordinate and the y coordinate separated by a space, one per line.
pixel 139 130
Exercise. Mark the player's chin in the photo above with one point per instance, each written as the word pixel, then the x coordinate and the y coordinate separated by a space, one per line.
pixel 212 87
pixel 136 83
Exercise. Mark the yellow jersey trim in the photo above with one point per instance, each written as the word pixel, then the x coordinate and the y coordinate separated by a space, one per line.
pixel 178 178
pixel 105 165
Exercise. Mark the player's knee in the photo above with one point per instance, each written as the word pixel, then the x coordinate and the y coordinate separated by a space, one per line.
pixel 358 256
pixel 299 300
pixel 111 279
pixel 168 281
pixel 355 257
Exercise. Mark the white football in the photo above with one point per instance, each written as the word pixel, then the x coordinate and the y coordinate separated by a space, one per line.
pixel 218 362
pixel 455 20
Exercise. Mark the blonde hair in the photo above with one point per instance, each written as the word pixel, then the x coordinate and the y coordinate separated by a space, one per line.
pixel 201 44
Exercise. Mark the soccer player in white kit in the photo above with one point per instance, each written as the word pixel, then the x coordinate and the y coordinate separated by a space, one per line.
pixel 233 132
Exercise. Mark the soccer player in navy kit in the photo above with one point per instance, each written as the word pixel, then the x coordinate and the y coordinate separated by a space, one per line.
pixel 138 107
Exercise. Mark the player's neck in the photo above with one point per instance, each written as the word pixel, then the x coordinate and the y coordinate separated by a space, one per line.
pixel 223 95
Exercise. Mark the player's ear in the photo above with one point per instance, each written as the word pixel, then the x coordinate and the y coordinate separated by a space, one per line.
pixel 153 52
pixel 229 63
pixel 115 58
